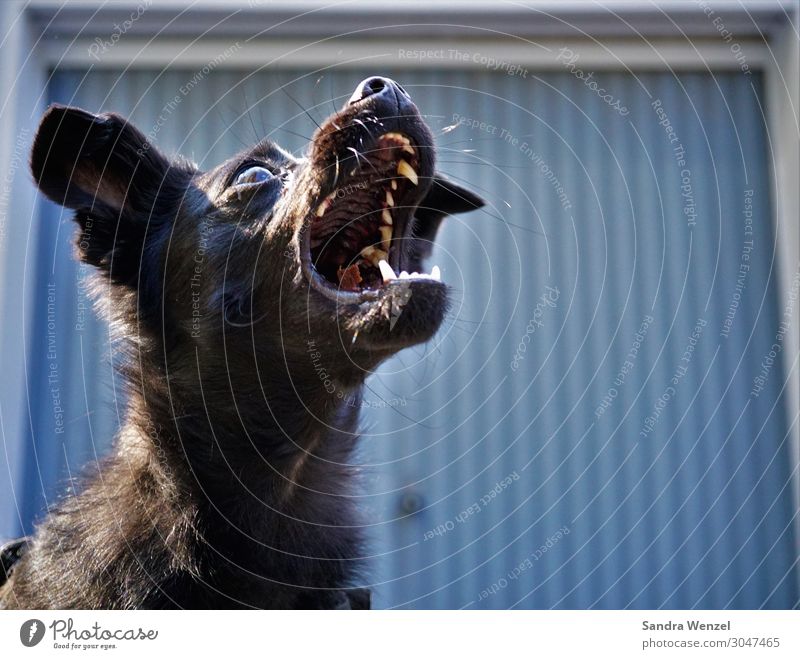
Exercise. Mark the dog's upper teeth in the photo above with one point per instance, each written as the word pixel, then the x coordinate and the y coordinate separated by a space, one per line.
pixel 408 149
pixel 389 199
pixel 374 254
pixel 397 137
pixel 404 169
pixel 386 216
pixel 386 237
pixel 326 204
pixel 393 184
pixel 386 271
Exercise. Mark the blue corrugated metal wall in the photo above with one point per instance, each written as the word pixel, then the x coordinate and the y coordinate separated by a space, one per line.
pixel 495 476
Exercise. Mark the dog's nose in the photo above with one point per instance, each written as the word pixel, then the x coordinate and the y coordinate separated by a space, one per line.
pixel 377 86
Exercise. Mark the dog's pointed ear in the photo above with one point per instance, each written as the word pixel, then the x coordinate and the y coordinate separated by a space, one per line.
pixel 444 198
pixel 104 168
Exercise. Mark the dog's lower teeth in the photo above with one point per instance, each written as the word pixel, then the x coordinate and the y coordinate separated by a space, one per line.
pixel 386 216
pixel 435 275
pixel 389 199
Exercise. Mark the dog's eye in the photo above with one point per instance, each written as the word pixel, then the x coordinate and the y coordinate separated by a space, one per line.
pixel 253 175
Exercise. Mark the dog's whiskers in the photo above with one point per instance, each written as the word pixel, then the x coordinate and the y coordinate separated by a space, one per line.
pixel 301 106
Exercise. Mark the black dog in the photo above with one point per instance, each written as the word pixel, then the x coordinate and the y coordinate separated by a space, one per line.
pixel 250 302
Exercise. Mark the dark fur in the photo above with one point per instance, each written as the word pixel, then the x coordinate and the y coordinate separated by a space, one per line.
pixel 228 485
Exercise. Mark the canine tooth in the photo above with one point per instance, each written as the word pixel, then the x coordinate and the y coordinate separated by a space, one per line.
pixel 389 199
pixel 386 270
pixel 394 184
pixel 404 169
pixel 386 237
pixel 408 149
pixel 386 216
pixel 436 273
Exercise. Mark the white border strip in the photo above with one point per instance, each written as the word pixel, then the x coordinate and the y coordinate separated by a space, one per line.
pixel 403 634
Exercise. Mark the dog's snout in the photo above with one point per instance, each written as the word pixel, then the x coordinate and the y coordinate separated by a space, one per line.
pixel 369 87
pixel 377 86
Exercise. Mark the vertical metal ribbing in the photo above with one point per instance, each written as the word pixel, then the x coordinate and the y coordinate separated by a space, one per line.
pixel 634 507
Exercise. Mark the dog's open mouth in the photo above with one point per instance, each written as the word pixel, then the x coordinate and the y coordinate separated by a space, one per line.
pixel 371 202
pixel 356 233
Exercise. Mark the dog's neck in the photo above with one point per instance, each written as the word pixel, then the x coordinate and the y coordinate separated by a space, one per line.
pixel 268 465
pixel 249 429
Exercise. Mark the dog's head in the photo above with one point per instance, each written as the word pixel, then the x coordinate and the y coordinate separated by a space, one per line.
pixel 275 256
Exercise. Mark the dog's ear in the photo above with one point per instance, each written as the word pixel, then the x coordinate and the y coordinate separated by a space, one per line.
pixel 444 198
pixel 120 186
